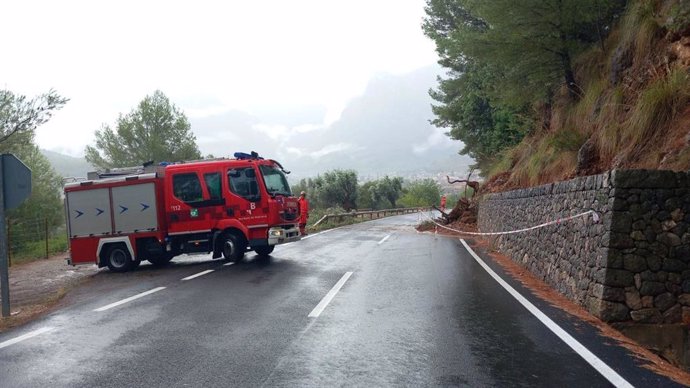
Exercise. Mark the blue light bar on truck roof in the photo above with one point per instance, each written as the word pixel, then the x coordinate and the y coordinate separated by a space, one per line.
pixel 244 155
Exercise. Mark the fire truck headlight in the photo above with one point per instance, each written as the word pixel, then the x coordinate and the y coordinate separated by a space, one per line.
pixel 276 232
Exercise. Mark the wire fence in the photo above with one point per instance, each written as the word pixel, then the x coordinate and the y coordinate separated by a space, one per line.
pixel 35 239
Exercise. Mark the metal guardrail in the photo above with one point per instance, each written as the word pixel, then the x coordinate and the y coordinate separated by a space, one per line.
pixel 372 214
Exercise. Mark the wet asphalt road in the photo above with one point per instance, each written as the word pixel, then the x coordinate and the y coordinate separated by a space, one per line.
pixel 417 310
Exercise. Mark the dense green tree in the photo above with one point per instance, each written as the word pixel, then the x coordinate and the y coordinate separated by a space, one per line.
pixel 312 187
pixel 467 110
pixel 20 115
pixel 531 42
pixel 19 118
pixel 365 198
pixel 156 130
pixel 387 190
pixel 502 57
pixel 339 188
pixel 45 202
pixel 336 188
pixel 421 193
pixel 379 194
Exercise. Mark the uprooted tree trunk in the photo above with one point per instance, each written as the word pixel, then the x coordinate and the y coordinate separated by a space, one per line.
pixel 465 210
pixel 473 184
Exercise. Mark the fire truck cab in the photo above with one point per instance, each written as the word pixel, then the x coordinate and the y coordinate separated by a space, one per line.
pixel 223 206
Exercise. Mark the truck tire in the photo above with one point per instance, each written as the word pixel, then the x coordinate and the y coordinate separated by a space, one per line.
pixel 118 258
pixel 234 247
pixel 161 260
pixel 264 250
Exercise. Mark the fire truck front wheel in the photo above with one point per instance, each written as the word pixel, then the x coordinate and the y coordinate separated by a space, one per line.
pixel 234 247
pixel 118 258
pixel 264 250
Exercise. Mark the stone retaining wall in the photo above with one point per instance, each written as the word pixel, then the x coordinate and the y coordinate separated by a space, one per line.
pixel 631 265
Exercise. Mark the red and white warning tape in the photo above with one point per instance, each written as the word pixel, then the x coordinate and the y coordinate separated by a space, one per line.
pixel 595 219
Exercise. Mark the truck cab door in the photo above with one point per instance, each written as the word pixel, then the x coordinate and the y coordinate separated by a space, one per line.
pixel 196 201
pixel 248 202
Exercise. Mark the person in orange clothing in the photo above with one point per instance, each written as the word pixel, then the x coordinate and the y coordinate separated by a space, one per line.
pixel 443 203
pixel 303 213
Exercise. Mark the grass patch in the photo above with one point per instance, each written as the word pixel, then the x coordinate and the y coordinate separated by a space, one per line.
pixel 504 162
pixel 657 106
pixel 36 250
pixel 679 17
pixel 334 222
pixel 565 140
pixel 640 29
pixel 608 131
pixel 544 159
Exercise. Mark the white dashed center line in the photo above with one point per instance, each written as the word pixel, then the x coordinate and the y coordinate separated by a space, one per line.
pixel 331 294
pixel 25 337
pixel 198 274
pixel 383 240
pixel 131 298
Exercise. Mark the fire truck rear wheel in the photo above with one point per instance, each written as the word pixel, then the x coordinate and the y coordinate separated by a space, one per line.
pixel 264 250
pixel 233 247
pixel 118 258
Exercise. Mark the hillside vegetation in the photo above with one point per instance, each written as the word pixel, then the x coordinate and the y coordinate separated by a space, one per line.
pixel 548 90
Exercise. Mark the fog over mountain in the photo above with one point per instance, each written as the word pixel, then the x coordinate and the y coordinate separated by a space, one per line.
pixel 384 131
pixel 67 166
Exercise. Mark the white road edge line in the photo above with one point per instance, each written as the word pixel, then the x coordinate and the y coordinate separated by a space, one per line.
pixel 131 298
pixel 612 376
pixel 383 240
pixel 202 273
pixel 228 264
pixel 327 299
pixel 25 336
pixel 316 234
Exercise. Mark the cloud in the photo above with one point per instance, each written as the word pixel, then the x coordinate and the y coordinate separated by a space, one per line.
pixel 199 113
pixel 437 139
pixel 283 133
pixel 304 128
pixel 295 151
pixel 331 149
pixel 274 131
pixel 225 136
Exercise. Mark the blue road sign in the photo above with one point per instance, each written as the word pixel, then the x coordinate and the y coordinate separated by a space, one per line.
pixel 16 181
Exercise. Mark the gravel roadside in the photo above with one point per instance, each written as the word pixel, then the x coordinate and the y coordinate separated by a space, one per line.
pixel 37 287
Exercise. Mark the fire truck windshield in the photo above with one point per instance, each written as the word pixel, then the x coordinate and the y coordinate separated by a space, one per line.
pixel 276 183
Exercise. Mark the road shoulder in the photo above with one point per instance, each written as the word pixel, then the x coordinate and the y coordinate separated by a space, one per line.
pixel 38 287
pixel 596 334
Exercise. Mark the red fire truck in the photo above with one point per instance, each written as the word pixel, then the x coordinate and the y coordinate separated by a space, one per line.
pixel 222 206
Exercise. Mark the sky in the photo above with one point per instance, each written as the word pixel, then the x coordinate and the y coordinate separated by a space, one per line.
pixel 208 57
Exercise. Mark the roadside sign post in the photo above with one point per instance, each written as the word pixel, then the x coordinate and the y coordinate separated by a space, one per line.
pixel 15 187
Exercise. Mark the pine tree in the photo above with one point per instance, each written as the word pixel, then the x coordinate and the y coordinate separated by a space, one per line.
pixel 155 131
